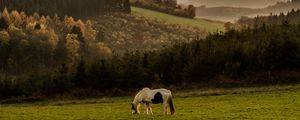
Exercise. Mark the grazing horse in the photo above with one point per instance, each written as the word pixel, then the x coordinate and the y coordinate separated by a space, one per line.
pixel 154 96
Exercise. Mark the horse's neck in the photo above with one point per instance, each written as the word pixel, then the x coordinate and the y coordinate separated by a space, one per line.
pixel 139 97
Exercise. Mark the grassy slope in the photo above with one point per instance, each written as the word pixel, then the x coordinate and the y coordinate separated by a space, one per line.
pixel 205 24
pixel 282 104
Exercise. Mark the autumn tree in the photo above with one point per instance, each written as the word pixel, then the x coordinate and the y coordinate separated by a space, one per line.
pixel 4 37
pixel 72 45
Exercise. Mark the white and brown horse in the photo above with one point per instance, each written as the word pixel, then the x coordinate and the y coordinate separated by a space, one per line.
pixel 155 96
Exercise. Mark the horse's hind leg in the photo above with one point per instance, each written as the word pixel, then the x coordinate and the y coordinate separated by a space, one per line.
pixel 165 109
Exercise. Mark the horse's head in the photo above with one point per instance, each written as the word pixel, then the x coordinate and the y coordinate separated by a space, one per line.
pixel 134 108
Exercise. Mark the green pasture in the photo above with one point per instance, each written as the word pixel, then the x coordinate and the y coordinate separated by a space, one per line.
pixel 211 26
pixel 281 104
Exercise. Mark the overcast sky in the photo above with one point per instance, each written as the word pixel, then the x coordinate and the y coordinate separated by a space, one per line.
pixel 232 3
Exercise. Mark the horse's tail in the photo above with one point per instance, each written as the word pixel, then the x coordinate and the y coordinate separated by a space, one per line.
pixel 171 105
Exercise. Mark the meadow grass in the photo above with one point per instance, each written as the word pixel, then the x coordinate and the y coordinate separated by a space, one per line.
pixel 210 26
pixel 282 104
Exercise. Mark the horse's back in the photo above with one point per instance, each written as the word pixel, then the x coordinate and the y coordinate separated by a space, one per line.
pixel 147 94
pixel 163 91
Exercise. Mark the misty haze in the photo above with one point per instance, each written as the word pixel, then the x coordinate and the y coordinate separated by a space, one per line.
pixel 232 3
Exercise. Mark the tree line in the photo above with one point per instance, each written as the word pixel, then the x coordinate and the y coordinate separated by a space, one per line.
pixel 291 17
pixel 75 8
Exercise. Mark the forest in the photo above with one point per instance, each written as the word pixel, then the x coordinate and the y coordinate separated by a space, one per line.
pixel 35 47
pixel 46 56
pixel 49 55
pixel 291 17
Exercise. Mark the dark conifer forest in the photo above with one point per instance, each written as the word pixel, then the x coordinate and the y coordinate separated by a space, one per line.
pixel 291 17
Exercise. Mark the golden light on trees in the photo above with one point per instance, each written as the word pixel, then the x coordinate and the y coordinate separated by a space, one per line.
pixel 6 16
pixel 102 51
pixel 89 33
pixel 16 18
pixel 52 39
pixel 72 45
pixel 69 22
pixel 4 37
pixel 16 32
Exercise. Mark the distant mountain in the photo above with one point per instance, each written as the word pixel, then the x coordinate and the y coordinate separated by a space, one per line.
pixel 231 14
pixel 232 3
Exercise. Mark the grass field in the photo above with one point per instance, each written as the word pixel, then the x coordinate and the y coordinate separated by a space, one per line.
pixel 282 104
pixel 210 26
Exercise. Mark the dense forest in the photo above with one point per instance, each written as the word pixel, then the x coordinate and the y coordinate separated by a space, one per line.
pixel 40 54
pixel 37 61
pixel 45 56
pixel 291 17
pixel 74 8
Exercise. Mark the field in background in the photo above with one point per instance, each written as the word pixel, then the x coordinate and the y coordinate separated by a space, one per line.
pixel 211 26
pixel 280 104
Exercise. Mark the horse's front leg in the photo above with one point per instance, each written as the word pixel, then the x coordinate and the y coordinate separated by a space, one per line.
pixel 150 110
pixel 146 109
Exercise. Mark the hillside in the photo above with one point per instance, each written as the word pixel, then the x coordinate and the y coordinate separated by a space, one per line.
pixel 210 26
pixel 224 13
pixel 122 32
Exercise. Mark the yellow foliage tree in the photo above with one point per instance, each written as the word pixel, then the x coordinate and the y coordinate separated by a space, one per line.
pixel 89 34
pixel 6 16
pixel 53 39
pixel 43 20
pixel 69 22
pixel 16 18
pixel 4 37
pixel 102 51
pixel 47 36
pixel 72 45
pixel 80 24
pixel 16 32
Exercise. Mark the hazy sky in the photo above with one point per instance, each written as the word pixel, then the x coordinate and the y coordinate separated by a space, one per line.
pixel 232 3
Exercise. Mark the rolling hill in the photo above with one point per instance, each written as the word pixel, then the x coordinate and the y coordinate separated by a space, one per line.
pixel 210 26
pixel 231 3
